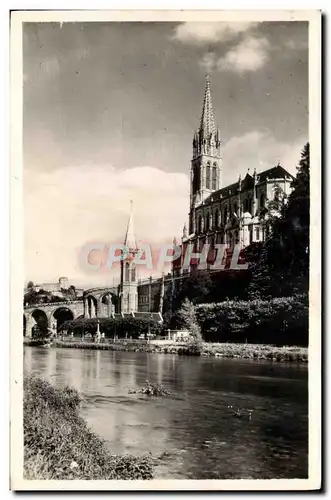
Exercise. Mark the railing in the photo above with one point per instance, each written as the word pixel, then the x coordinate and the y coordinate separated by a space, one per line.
pixel 108 340
pixel 45 304
pixel 89 291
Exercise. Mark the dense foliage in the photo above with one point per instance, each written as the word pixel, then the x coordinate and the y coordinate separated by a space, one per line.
pixel 120 327
pixel 59 445
pixel 282 268
pixel 280 321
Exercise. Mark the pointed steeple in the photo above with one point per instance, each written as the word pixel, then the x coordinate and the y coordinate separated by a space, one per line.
pixel 130 237
pixel 207 139
pixel 207 123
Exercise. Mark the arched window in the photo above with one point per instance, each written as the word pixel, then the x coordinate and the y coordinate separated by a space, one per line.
pixel 196 178
pixel 208 176
pixel 262 200
pixel 250 228
pixel 133 272
pixel 246 205
pixel 207 225
pixel 235 208
pixel 199 224
pixel 216 218
pixel 127 272
pixel 225 217
pixel 214 178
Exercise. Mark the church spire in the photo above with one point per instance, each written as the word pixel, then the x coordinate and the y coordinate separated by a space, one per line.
pixel 130 237
pixel 207 122
pixel 206 140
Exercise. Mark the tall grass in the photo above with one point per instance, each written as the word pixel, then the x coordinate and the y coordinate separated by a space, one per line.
pixel 58 444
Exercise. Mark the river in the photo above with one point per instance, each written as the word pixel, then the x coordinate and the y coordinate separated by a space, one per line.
pixel 193 429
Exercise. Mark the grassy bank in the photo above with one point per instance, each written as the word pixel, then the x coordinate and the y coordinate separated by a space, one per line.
pixel 257 351
pixel 59 445
pixel 225 350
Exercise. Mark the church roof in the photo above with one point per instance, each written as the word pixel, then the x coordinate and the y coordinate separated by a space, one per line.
pixel 277 172
pixel 247 183
pixel 207 122
pixel 130 237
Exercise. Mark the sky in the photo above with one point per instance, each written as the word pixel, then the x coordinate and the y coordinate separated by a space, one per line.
pixel 109 112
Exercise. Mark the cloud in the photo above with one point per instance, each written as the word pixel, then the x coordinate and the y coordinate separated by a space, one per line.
pixel 296 43
pixel 200 33
pixel 249 55
pixel 261 150
pixel 67 208
pixel 208 62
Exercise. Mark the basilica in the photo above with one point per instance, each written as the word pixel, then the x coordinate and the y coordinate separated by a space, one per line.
pixel 236 214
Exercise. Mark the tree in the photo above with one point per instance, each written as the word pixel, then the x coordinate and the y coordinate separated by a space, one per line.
pixel 72 294
pixel 297 219
pixel 30 285
pixel 195 287
pixel 186 318
pixel 283 266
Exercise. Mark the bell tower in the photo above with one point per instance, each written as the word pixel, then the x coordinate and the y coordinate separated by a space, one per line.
pixel 129 280
pixel 206 159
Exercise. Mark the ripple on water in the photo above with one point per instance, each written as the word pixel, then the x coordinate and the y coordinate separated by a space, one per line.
pixel 192 427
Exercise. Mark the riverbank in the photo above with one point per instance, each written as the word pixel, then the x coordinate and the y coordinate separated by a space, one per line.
pixel 226 350
pixel 58 444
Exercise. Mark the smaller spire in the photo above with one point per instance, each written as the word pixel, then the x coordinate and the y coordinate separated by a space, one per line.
pixel 185 231
pixel 254 174
pixel 130 238
pixel 174 241
pixel 239 182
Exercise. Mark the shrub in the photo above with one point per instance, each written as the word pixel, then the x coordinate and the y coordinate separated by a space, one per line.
pixel 280 321
pixel 151 389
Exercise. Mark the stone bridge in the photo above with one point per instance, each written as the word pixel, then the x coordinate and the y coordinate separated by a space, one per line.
pixel 51 316
pixel 96 303
pixel 100 302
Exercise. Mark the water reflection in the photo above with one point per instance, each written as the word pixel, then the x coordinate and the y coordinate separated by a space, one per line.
pixel 193 428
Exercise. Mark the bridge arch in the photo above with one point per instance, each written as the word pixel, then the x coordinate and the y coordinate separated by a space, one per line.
pixel 92 305
pixel 62 314
pixel 39 325
pixel 107 304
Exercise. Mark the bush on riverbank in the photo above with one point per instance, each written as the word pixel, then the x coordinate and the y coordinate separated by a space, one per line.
pixel 257 352
pixel 59 445
pixel 280 321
